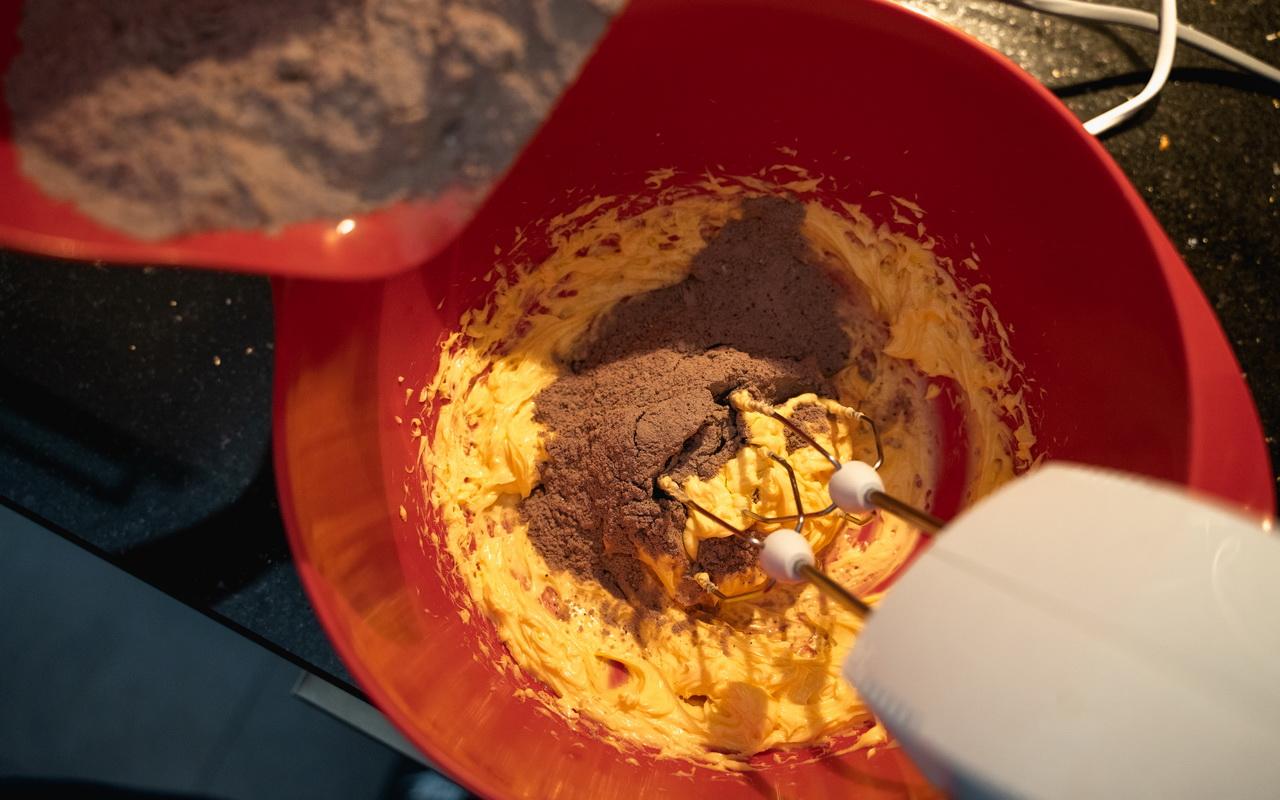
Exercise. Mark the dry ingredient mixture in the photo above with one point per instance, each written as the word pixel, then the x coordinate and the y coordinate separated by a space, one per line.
pixel 608 363
pixel 163 117
pixel 647 395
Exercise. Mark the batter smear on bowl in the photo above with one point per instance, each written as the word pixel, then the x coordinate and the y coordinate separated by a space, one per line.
pixel 592 376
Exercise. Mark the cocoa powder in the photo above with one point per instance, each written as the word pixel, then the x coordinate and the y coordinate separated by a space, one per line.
pixel 647 395
pixel 162 117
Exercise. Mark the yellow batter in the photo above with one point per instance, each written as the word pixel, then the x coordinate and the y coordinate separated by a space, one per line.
pixel 758 674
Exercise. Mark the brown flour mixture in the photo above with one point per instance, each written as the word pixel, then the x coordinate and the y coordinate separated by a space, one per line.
pixel 647 396
pixel 162 117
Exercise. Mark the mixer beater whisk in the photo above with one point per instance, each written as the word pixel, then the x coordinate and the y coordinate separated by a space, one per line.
pixel 786 555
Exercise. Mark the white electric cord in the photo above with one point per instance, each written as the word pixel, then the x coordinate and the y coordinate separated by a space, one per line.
pixel 1147 21
pixel 1170 32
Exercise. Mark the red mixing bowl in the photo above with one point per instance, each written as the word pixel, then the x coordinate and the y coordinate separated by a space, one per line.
pixel 1131 369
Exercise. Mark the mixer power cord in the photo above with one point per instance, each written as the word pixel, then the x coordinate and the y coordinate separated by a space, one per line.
pixel 1170 32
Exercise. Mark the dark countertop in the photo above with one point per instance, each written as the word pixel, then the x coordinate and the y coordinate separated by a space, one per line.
pixel 118 428
pixel 135 404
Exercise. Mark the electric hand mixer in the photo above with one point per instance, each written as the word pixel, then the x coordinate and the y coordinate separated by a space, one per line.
pixel 1035 651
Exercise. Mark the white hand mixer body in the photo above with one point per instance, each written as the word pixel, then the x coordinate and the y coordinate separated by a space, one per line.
pixel 1035 651
pixel 1077 633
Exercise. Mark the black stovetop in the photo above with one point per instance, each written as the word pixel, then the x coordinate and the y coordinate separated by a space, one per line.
pixel 135 404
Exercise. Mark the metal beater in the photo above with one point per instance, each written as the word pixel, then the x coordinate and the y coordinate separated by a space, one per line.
pixel 786 555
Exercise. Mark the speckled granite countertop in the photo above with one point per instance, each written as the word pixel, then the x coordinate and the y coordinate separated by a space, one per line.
pixel 135 404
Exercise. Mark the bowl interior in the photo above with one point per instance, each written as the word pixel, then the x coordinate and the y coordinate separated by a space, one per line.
pixel 875 98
